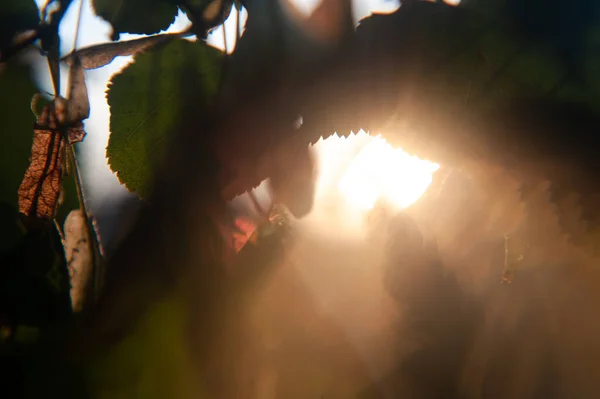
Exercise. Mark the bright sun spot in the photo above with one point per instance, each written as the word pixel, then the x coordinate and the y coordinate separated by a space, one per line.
pixel 364 169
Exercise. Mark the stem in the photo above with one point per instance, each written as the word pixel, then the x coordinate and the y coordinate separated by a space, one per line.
pixel 79 12
pixel 237 26
pixel 59 230
pixel 54 70
pixel 225 37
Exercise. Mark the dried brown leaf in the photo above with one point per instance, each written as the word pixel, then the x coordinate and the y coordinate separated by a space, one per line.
pixel 78 107
pixel 41 185
pixel 79 258
pixel 97 56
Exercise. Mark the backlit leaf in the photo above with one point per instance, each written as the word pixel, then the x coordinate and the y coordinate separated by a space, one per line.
pixel 41 186
pixel 79 258
pixel 78 106
pixel 147 100
pixel 97 56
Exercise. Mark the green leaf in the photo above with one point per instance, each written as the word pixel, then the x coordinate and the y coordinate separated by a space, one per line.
pixel 136 16
pixel 147 100
pixel 16 16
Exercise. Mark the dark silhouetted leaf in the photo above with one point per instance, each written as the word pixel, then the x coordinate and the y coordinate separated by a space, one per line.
pixel 206 14
pixel 102 54
pixel 146 102
pixel 16 91
pixel 16 16
pixel 136 16
pixel 438 68
pixel 12 229
pixel 41 186
pixel 34 283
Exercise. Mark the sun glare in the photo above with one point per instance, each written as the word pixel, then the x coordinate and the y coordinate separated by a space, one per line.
pixel 364 169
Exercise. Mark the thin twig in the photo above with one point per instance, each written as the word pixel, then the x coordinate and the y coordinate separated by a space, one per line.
pixel 225 37
pixel 237 26
pixel 75 38
pixel 52 59
pixel 60 231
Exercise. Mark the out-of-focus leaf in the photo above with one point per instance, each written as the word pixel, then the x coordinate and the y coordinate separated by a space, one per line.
pixel 12 229
pixel 206 14
pixel 16 91
pixel 38 102
pixel 97 56
pixel 136 16
pixel 34 283
pixel 41 186
pixel 428 64
pixel 153 361
pixel 147 100
pixel 16 16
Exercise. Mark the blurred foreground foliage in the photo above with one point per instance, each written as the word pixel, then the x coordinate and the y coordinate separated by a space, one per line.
pixel 434 68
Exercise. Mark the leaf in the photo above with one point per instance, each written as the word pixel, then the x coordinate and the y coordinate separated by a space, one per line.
pixel 432 66
pixel 41 186
pixel 79 258
pixel 12 229
pixel 97 56
pixel 16 16
pixel 207 14
pixel 16 91
pixel 78 105
pixel 136 16
pixel 135 366
pixel 147 101
pixel 34 286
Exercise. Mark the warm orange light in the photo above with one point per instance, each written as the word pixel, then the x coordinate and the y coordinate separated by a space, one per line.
pixel 364 168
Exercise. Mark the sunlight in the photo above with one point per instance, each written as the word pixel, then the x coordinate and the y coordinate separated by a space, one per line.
pixel 364 169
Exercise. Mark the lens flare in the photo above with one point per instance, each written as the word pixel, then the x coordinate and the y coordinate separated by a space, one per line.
pixel 364 169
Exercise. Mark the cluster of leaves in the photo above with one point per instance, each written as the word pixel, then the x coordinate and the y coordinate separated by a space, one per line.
pixel 427 65
pixel 158 15
pixel 447 61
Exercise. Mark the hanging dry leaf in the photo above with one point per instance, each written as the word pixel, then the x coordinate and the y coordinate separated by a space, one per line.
pixel 99 55
pixel 41 185
pixel 78 106
pixel 79 258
